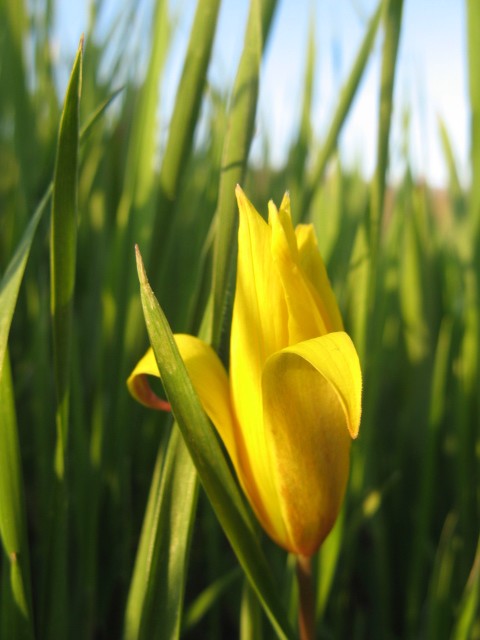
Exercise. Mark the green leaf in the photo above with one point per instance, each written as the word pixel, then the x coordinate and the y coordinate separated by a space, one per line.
pixel 63 247
pixel 63 240
pixel 16 618
pixel 473 33
pixel 393 21
pixel 155 600
pixel 209 458
pixel 235 154
pixel 183 123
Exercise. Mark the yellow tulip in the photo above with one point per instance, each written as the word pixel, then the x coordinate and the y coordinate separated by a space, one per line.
pixel 291 403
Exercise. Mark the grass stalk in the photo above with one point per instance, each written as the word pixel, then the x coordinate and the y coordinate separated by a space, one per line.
pixel 62 264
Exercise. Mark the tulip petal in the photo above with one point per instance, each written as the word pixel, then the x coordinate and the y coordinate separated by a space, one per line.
pixel 259 329
pixel 314 268
pixel 139 386
pixel 312 395
pixel 307 316
pixel 209 380
pixel 255 328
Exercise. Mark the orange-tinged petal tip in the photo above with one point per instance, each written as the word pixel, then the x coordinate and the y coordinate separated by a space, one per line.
pixel 142 392
pixel 139 386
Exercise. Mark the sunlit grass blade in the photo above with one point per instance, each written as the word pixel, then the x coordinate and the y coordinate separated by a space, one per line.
pixel 413 293
pixel 345 101
pixel 209 459
pixel 235 153
pixel 63 245
pixel 473 35
pixel 63 248
pixel 393 19
pixel 16 614
pixel 97 114
pixel 455 190
pixel 155 600
pixel 183 122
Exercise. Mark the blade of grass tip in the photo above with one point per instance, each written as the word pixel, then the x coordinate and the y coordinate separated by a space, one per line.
pixel 393 20
pixel 454 187
pixel 468 617
pixel 347 96
pixel 209 459
pixel 155 599
pixel 235 154
pixel 62 268
pixel 183 123
pixel 97 114
pixel 16 609
pixel 473 34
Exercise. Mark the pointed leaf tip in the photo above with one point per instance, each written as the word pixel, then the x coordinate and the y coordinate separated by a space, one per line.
pixel 142 276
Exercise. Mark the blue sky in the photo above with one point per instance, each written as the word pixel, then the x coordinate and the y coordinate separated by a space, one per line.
pixel 431 75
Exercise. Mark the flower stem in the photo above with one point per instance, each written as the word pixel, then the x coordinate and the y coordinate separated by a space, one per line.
pixel 306 611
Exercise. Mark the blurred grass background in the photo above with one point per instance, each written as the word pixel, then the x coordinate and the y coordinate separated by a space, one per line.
pixel 80 460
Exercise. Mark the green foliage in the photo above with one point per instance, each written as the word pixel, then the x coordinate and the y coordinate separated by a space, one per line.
pixel 105 528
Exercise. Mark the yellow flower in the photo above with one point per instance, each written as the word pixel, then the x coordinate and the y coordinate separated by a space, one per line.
pixel 287 411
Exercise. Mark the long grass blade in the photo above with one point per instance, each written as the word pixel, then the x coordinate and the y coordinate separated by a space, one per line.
pixel 235 154
pixel 62 265
pixel 183 122
pixel 155 600
pixel 393 20
pixel 473 35
pixel 16 615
